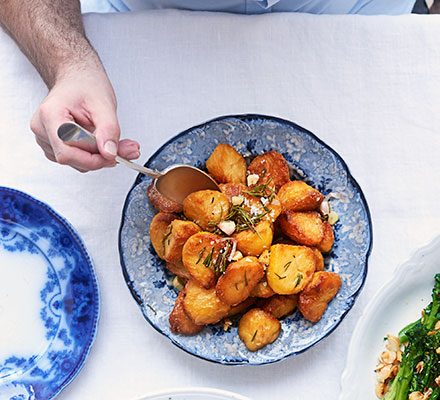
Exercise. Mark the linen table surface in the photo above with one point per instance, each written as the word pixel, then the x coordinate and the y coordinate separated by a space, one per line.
pixel 367 86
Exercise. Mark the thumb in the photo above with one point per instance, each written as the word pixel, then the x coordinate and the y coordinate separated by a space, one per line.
pixel 107 130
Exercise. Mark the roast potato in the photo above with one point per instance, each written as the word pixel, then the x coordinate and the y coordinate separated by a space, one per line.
pixel 279 306
pixel 319 259
pixel 264 257
pixel 241 276
pixel 270 165
pixel 257 328
pixel 202 305
pixel 252 243
pixel 199 255
pixel 262 289
pixel 226 164
pixel 242 307
pixel 326 243
pixel 303 227
pixel 176 235
pixel 299 196
pixel 179 320
pixel 313 300
pixel 158 229
pixel 206 208
pixel 177 268
pixel 290 268
pixel 161 202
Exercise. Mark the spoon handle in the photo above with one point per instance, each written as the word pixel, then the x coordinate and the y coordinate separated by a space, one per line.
pixel 73 134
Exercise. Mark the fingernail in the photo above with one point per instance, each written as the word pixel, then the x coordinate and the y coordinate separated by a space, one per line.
pixel 133 155
pixel 110 147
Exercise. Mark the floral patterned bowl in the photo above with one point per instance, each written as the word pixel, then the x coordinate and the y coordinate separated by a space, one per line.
pixel 310 160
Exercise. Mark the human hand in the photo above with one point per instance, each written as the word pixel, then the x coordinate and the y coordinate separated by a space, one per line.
pixel 82 94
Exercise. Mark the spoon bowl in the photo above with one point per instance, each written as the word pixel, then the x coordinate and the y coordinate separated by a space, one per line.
pixel 175 182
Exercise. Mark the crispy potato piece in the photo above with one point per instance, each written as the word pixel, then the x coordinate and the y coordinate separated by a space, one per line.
pixel 290 269
pixel 176 235
pixel 258 205
pixel 226 164
pixel 279 306
pixel 328 239
pixel 177 268
pixel 262 289
pixel 270 165
pixel 298 196
pixel 313 300
pixel 264 257
pixel 232 189
pixel 239 279
pixel 319 259
pixel 161 202
pixel 158 230
pixel 206 208
pixel 257 328
pixel 242 307
pixel 202 305
pixel 303 227
pixel 251 243
pixel 199 252
pixel 179 320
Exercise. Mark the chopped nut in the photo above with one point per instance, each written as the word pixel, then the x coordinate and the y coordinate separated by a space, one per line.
pixel 252 179
pixel 437 326
pixel 333 217
pixel 394 371
pixel 380 366
pixel 437 381
pixel 437 350
pixel 237 256
pixel 381 389
pixel 430 333
pixel 388 356
pixel 416 396
pixel 427 394
pixel 419 367
pixel 237 200
pixel 227 227
pixel 226 324
pixel 393 343
pixel 384 373
pixel 399 356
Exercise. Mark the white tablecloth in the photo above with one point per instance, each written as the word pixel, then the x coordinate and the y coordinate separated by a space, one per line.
pixel 367 86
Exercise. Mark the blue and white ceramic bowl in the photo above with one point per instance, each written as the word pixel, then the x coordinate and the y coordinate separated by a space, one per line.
pixel 49 300
pixel 312 161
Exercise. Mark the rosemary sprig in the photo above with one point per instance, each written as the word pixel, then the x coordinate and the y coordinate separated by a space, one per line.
pixel 220 263
pixel 280 277
pixel 243 219
pixel 298 280
pixel 262 190
pixel 286 267
pixel 255 334
pixel 166 237
pixel 245 279
pixel 208 260
pixel 200 255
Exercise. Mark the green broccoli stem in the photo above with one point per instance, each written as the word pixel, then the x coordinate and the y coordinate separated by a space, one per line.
pixel 435 393
pixel 403 333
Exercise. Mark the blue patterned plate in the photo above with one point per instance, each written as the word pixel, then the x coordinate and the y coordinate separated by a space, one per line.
pixel 310 160
pixel 49 300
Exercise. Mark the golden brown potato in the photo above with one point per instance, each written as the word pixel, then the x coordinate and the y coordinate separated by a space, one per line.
pixel 199 255
pixel 177 268
pixel 161 202
pixel 241 276
pixel 202 305
pixel 242 307
pixel 279 306
pixel 303 227
pixel 232 189
pixel 313 300
pixel 326 243
pixel 298 196
pixel 158 230
pixel 257 328
pixel 179 320
pixel 262 289
pixel 319 259
pixel 176 235
pixel 251 243
pixel 206 208
pixel 226 164
pixel 270 165
pixel 290 269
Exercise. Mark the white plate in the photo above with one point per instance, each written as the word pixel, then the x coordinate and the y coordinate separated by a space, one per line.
pixel 194 394
pixel 397 303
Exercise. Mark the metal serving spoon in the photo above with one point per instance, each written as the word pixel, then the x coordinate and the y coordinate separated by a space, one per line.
pixel 175 182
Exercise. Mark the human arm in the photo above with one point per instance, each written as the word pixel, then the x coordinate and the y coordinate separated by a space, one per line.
pixel 51 34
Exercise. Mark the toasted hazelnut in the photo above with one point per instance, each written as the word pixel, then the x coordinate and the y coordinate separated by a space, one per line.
pixel 388 356
pixel 381 389
pixel 384 373
pixel 419 367
pixel 393 343
pixel 416 396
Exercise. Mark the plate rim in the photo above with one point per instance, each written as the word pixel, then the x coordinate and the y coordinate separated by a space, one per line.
pixel 381 294
pixel 197 389
pixel 74 234
pixel 244 117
